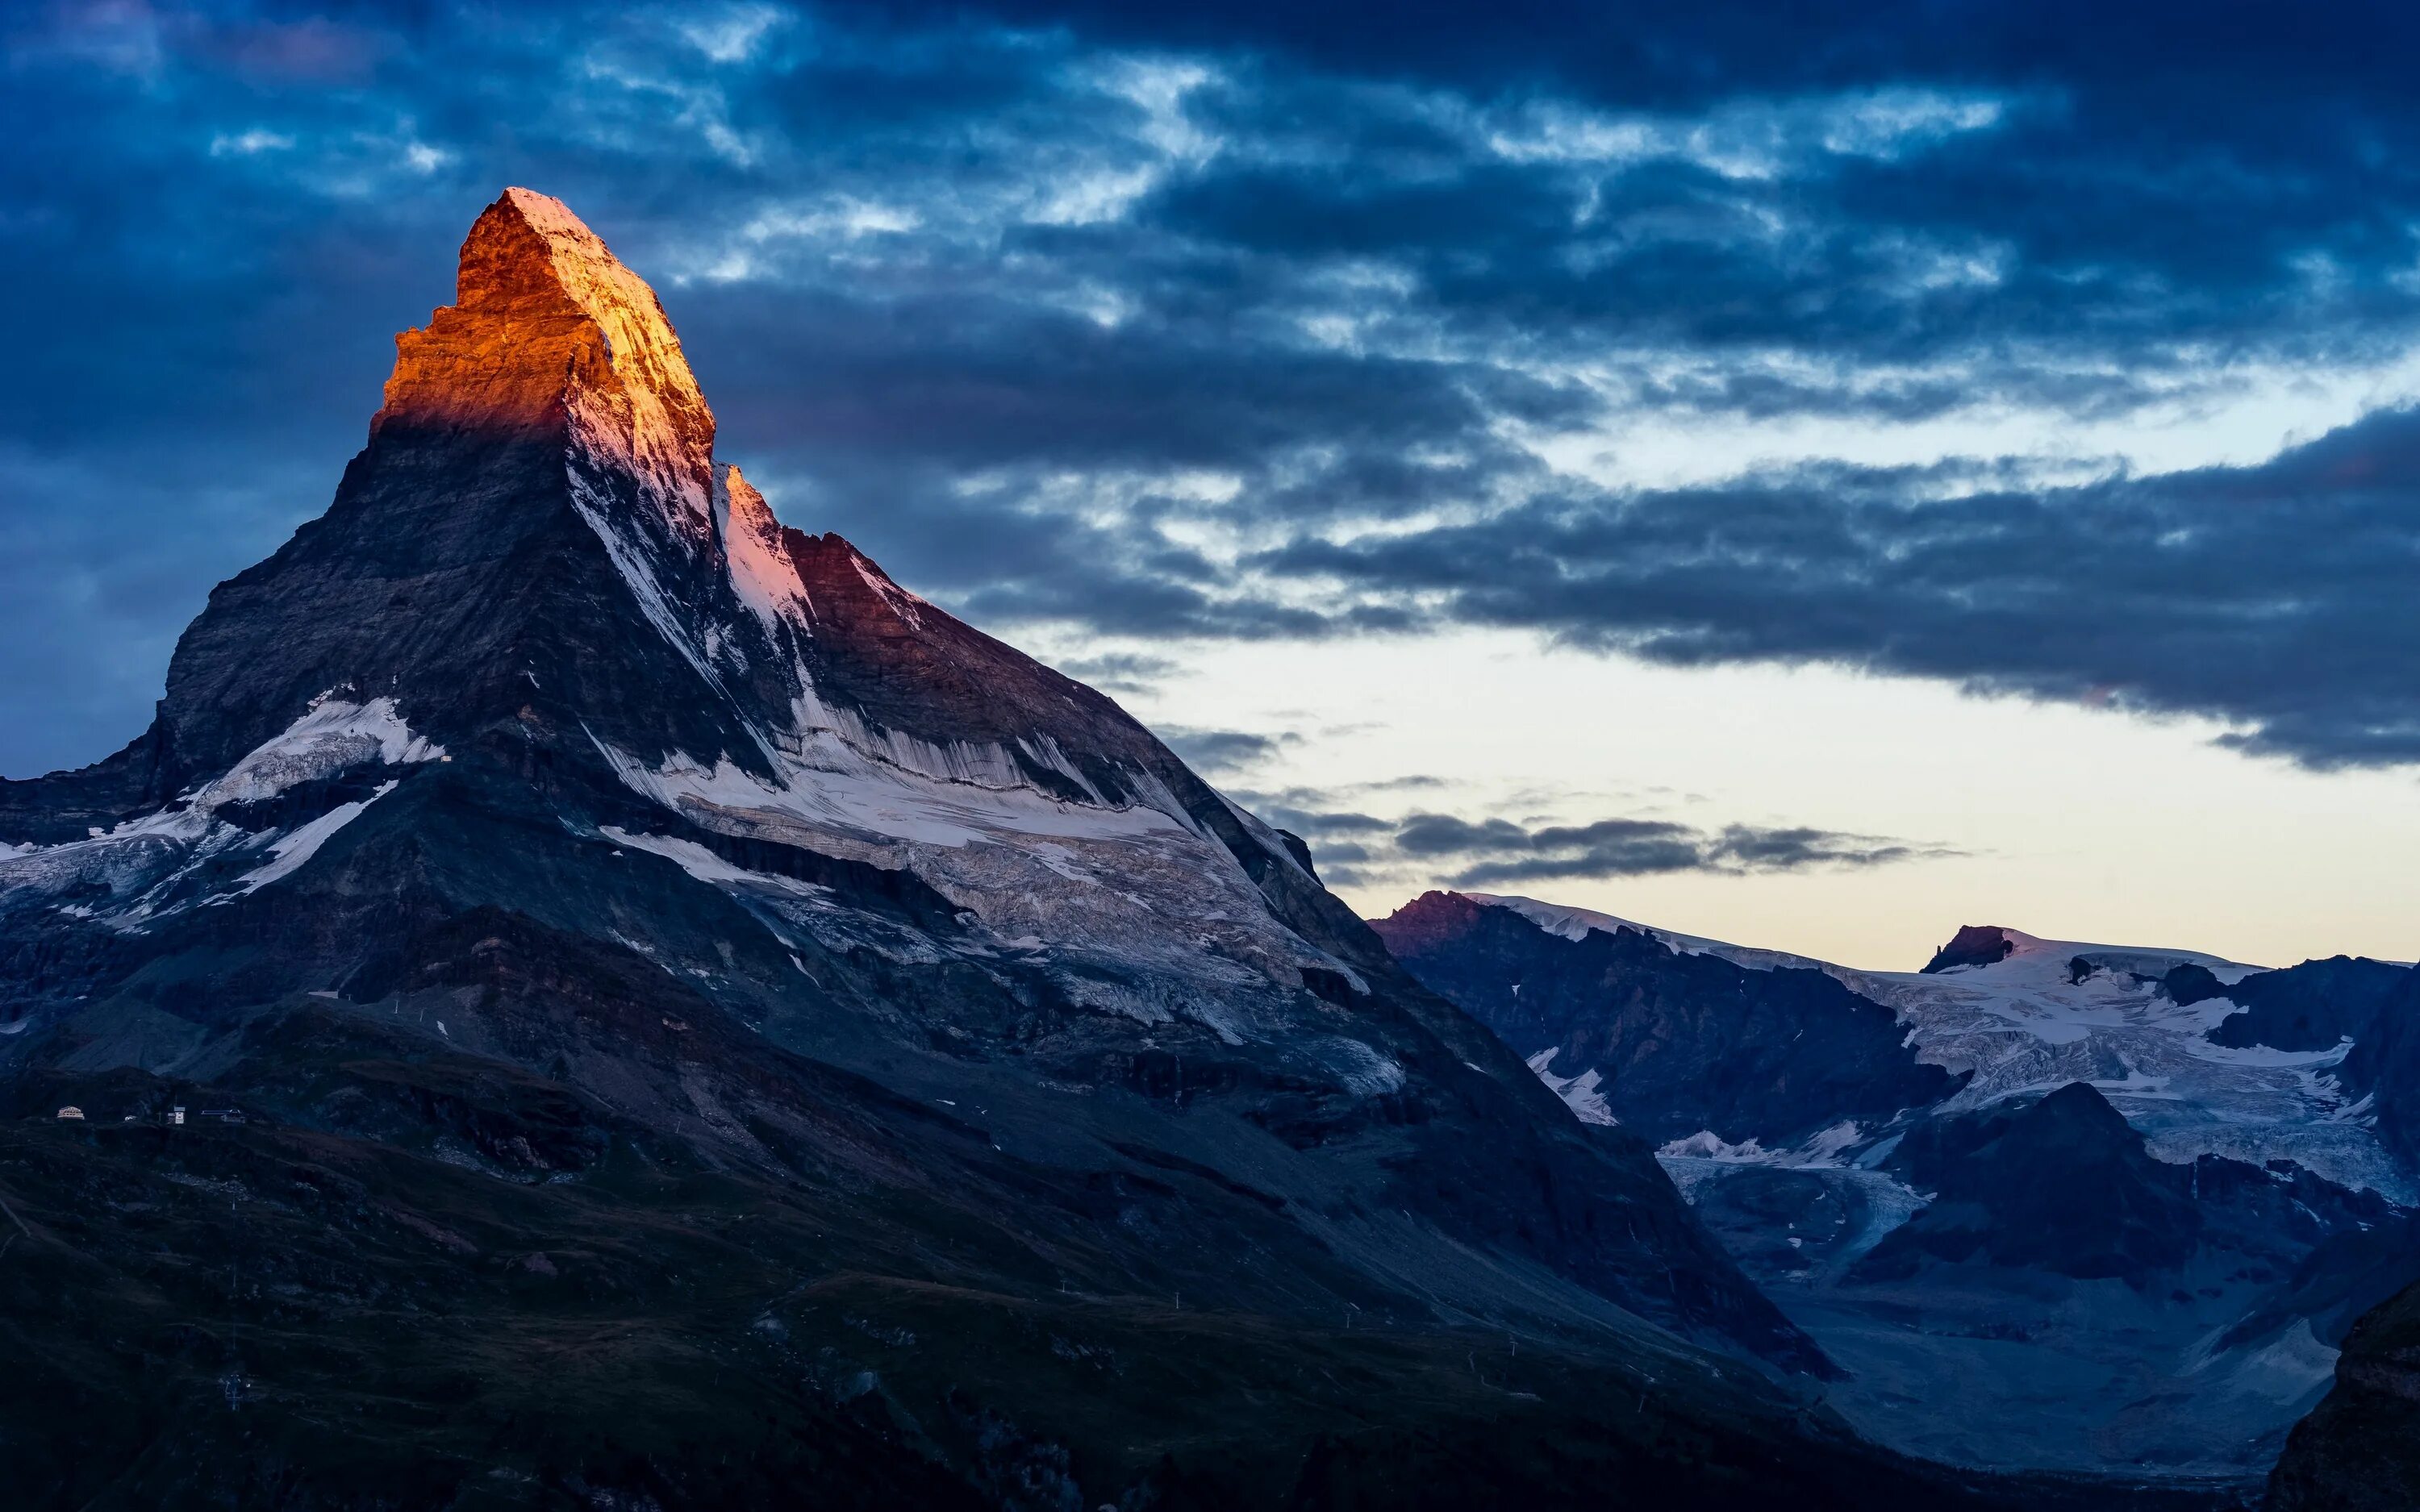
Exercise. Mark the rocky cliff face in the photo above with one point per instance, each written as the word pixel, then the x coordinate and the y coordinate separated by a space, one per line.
pixel 2310 1006
pixel 608 908
pixel 2383 1066
pixel 2359 1451
pixel 1974 945
pixel 2061 1185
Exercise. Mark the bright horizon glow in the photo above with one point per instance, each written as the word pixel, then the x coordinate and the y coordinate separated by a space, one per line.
pixel 2080 825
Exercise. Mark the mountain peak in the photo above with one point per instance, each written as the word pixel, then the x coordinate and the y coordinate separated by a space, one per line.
pixel 549 330
pixel 643 348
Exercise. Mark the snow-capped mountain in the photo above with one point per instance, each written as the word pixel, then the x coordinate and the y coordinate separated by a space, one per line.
pixel 2045 1013
pixel 588 909
pixel 2011 1015
pixel 2125 1222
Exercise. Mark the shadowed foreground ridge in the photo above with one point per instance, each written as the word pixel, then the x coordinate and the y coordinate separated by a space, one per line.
pixel 668 1018
pixel 2359 1451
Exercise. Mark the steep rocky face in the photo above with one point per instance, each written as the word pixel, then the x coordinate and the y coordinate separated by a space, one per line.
pixel 550 335
pixel 2384 1066
pixel 2359 1451
pixel 1670 1042
pixel 1974 945
pixel 546 819
pixel 2063 1184
pixel 529 529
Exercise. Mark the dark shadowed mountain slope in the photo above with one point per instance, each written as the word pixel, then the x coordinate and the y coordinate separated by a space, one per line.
pixel 704 1021
pixel 2065 1186
pixel 1675 1041
pixel 2309 1007
pixel 2384 1066
pixel 2347 1274
pixel 2359 1451
pixel 2061 1185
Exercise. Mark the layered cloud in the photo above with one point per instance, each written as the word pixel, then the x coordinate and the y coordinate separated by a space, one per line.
pixel 1422 848
pixel 1496 852
pixel 2034 350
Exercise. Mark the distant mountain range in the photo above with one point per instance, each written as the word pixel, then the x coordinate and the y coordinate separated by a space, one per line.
pixel 2049 1204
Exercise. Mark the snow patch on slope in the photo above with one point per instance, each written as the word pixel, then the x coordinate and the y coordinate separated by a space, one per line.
pixel 292 851
pixel 1132 907
pixel 638 570
pixel 333 735
pixel 877 802
pixel 1362 1068
pixel 1823 1150
pixel 706 866
pixel 1579 1093
pixel 831 738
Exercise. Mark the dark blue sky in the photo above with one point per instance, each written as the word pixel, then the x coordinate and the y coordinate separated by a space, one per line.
pixel 2056 348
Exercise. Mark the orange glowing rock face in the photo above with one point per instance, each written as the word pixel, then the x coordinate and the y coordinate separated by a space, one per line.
pixel 757 552
pixel 551 336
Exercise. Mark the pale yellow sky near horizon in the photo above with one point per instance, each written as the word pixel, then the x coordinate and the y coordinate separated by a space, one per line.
pixel 2076 823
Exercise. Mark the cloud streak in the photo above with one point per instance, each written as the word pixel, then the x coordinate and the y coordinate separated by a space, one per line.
pixel 1424 848
pixel 1495 852
pixel 2278 597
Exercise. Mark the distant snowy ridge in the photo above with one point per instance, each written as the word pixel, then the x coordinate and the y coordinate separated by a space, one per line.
pixel 2055 1011
pixel 1572 923
pixel 1823 1150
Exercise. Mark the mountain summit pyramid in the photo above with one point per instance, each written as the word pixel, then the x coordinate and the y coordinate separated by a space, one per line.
pixel 685 1017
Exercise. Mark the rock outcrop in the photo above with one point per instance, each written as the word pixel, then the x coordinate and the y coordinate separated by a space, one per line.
pixel 1974 945
pixel 2359 1451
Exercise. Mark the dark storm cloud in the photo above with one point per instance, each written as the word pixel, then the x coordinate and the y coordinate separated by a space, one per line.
pixel 2280 596
pixel 1137 320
